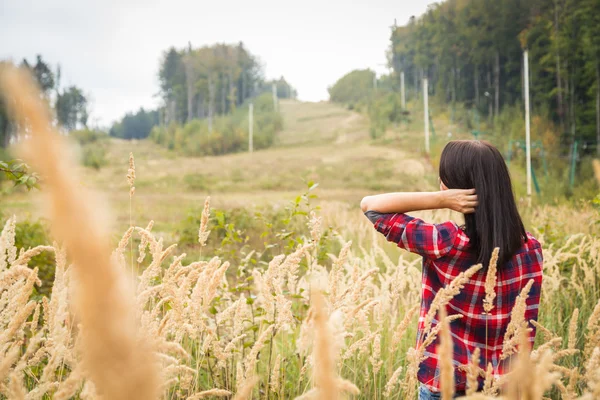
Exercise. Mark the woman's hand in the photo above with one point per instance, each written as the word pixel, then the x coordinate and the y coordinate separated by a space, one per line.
pixel 461 200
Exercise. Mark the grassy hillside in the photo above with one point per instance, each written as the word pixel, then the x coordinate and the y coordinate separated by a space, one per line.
pixel 321 142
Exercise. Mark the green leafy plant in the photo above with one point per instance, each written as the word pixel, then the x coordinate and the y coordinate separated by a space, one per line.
pixel 19 173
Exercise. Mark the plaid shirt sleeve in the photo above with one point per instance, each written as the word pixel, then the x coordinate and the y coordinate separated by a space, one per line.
pixel 535 261
pixel 415 235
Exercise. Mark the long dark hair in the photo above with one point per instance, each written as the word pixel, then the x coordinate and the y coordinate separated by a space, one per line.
pixel 468 164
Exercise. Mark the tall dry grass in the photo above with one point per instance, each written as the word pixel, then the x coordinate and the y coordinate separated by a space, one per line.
pixel 208 329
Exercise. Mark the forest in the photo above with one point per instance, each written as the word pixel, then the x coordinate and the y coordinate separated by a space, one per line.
pixel 201 90
pixel 212 80
pixel 472 52
pixel 69 104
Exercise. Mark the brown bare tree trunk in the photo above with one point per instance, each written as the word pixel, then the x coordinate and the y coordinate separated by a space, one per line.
pixel 232 102
pixel 497 81
pixel 489 100
pixel 572 109
pixel 200 105
pixel 559 95
pixel 453 86
pixel 211 101
pixel 190 81
pixel 223 105
pixel 598 107
pixel 476 84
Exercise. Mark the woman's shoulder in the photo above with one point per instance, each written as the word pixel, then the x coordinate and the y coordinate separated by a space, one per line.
pixel 532 243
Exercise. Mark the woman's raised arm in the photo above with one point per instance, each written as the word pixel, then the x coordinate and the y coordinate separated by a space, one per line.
pixel 461 200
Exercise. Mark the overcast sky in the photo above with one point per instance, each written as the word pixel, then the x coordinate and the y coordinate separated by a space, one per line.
pixel 112 48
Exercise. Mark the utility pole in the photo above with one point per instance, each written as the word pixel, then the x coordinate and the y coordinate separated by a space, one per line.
pixel 250 128
pixel 375 80
pixel 275 105
pixel 527 122
pixel 402 93
pixel 426 112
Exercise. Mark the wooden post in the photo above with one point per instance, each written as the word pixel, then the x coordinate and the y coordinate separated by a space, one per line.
pixel 402 92
pixel 426 112
pixel 250 127
pixel 275 105
pixel 527 121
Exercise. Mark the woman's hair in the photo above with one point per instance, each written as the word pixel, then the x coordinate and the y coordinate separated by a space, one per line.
pixel 468 164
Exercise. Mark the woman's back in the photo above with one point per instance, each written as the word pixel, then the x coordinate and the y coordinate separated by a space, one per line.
pixel 475 181
pixel 446 253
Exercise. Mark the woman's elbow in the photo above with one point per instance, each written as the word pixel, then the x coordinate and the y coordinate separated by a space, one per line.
pixel 364 204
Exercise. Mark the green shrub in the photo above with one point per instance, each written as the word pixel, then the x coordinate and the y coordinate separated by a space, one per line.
pixel 197 181
pixel 87 136
pixel 229 133
pixel 354 87
pixel 94 157
pixel 270 231
pixel 93 145
pixel 30 234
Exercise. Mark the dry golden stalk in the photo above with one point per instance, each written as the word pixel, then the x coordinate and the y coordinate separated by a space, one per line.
pixel 593 330
pixel 592 373
pixel 360 345
pixel 209 393
pixel 245 392
pixel 517 323
pixel 403 326
pixel 336 271
pixel 473 372
pixel 35 319
pixel 314 225
pixel 445 354
pixel 69 386
pixel 573 329
pixel 490 282
pixel 446 294
pixel 8 360
pixel 16 391
pixel 324 362
pixel 346 386
pixel 203 232
pixel 596 166
pixel 488 384
pixel 119 364
pixel 144 243
pixel 553 344
pixel 251 358
pixel 16 322
pixel 8 251
pixel 124 241
pixel 26 256
pixel 548 334
pixel 274 385
pixel 391 383
pixel 530 380
pixel 131 175
pixel 433 333
pixel 375 358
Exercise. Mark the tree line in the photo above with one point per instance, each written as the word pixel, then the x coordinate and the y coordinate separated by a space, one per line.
pixel 202 84
pixel 472 52
pixel 69 104
pixel 199 83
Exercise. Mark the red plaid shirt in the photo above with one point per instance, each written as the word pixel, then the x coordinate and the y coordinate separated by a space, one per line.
pixel 445 251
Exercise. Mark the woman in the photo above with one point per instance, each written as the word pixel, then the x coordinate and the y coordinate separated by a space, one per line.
pixel 475 181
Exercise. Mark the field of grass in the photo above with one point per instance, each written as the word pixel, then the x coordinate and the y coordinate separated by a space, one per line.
pixel 235 318
pixel 321 142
